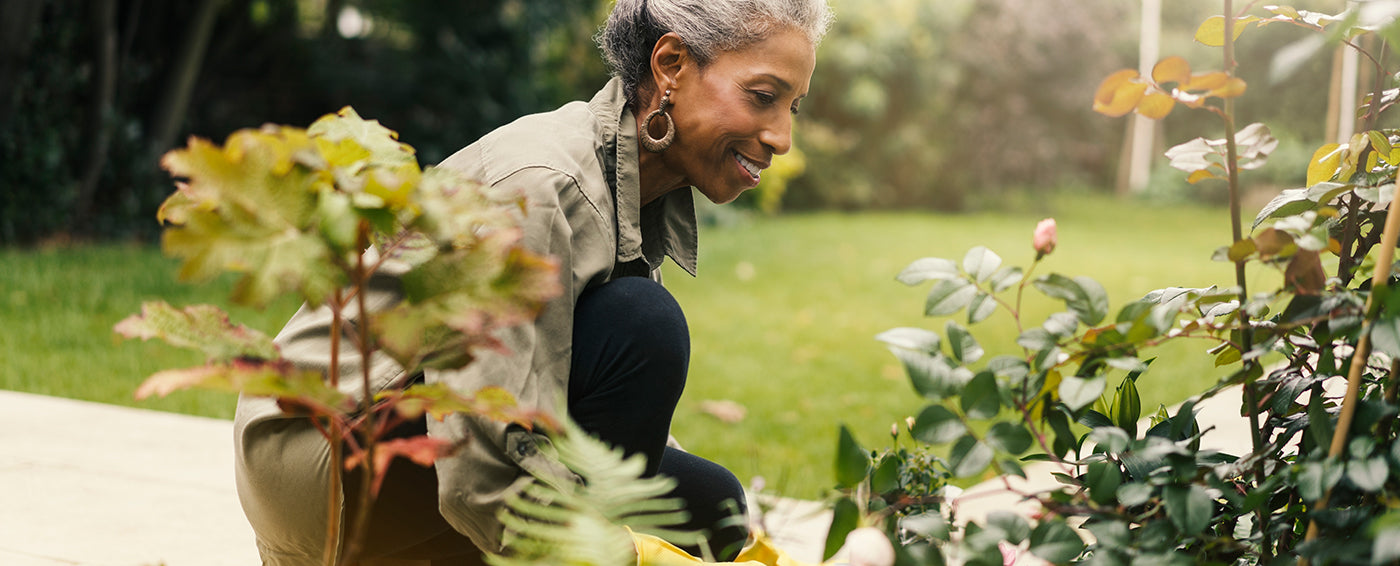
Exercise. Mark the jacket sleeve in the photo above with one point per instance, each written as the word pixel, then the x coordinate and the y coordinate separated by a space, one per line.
pixel 474 483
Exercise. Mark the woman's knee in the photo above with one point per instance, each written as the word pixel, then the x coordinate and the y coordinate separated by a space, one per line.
pixel 639 307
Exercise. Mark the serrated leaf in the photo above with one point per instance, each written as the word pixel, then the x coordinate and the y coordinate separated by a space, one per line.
pixel 930 374
pixel 380 143
pixel 1006 278
pixel 205 328
pixel 981 307
pixel 917 339
pixel 949 296
pixel 1289 202
pixel 928 269
pixel 1078 392
pixel 937 424
pixel 980 399
pixel 981 263
pixel 263 378
pixel 852 460
pixel 963 345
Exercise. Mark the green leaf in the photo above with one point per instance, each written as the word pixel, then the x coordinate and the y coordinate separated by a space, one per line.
pixel 1190 508
pixel 1082 295
pixel 981 307
pixel 852 460
pixel 381 142
pixel 980 399
pixel 1009 437
pixel 205 328
pixel 917 339
pixel 930 375
pixel 929 525
pixel 1055 542
pixel 1061 324
pixel 845 517
pixel 949 296
pixel 886 476
pixel 1385 336
pixel 981 263
pixel 1008 526
pixel 969 457
pixel 1077 392
pixel 1006 278
pixel 1319 422
pixel 1134 494
pixel 1369 474
pixel 928 269
pixel 965 348
pixel 1113 439
pixel 1103 480
pixel 1385 545
pixel 938 425
pixel 1315 478
pixel 1036 339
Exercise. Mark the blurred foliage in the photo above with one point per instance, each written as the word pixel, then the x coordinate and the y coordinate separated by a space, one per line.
pixel 947 105
pixel 441 74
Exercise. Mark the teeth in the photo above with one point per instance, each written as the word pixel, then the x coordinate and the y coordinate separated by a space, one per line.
pixel 749 166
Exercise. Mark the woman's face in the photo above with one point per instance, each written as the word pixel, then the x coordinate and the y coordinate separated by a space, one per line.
pixel 735 114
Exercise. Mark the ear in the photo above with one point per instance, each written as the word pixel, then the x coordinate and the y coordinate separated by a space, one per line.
pixel 668 57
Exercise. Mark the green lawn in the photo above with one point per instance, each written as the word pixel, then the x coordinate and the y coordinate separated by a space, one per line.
pixel 782 316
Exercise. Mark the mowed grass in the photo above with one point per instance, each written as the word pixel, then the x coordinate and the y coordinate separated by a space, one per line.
pixel 782 317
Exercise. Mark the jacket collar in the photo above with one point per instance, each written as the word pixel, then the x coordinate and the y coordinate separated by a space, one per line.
pixel 664 227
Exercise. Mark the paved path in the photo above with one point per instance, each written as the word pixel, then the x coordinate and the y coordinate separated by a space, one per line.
pixel 89 484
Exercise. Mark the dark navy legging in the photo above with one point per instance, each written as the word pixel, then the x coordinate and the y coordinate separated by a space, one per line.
pixel 631 352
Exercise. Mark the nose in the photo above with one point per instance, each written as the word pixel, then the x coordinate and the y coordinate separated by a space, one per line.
pixel 777 137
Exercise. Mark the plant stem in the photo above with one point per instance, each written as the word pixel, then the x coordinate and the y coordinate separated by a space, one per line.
pixel 1237 233
pixel 367 427
pixel 333 437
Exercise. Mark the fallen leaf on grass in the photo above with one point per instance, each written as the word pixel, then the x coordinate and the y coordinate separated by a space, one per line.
pixel 725 410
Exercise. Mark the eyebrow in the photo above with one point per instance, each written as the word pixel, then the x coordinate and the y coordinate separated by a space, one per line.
pixel 782 84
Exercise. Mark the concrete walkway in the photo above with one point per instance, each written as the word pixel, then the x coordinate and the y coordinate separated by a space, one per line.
pixel 90 484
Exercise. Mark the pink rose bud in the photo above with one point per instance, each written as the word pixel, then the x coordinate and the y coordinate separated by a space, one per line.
pixel 1045 237
pixel 894 429
pixel 909 421
pixel 868 546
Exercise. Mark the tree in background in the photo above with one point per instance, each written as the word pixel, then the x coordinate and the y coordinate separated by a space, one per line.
pixel 92 91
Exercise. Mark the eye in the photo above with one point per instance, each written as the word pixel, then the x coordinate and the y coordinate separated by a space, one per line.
pixel 763 98
pixel 795 110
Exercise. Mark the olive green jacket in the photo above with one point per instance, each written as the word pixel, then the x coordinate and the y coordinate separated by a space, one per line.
pixel 578 167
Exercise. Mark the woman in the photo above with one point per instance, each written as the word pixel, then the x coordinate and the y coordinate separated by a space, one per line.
pixel 703 96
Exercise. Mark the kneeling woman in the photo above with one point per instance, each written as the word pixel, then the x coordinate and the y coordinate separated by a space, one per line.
pixel 703 97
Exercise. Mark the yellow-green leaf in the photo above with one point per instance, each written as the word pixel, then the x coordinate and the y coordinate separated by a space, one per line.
pixel 1207 81
pixel 1201 175
pixel 1380 142
pixel 1212 31
pixel 1272 242
pixel 1119 93
pixel 1155 105
pixel 1241 249
pixel 1324 163
pixel 199 327
pixel 1232 88
pixel 1173 69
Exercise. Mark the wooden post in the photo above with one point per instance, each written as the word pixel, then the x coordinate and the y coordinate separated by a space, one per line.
pixel 1144 130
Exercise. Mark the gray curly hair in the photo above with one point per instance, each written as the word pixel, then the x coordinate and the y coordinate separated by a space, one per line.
pixel 708 27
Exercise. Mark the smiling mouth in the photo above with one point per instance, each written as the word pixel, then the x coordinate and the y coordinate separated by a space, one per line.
pixel 753 169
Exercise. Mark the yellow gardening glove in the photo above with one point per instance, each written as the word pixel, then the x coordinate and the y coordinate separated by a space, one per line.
pixel 652 551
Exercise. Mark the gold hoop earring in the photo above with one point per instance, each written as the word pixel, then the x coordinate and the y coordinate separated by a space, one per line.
pixel 656 145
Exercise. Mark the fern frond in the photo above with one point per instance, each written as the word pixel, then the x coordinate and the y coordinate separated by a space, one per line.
pixel 559 521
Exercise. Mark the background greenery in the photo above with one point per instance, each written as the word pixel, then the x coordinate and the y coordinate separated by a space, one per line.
pixel 948 105
pixel 783 318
